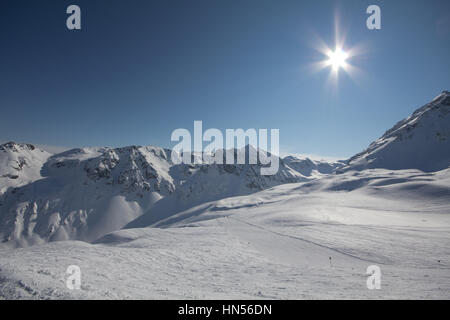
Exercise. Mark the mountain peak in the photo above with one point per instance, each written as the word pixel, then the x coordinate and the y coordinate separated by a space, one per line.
pixel 421 141
pixel 15 147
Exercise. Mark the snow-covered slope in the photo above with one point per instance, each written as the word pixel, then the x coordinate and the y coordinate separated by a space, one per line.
pixel 210 182
pixel 89 192
pixel 421 141
pixel 20 164
pixel 274 244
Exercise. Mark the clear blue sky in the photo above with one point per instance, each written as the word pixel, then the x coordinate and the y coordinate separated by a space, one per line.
pixel 139 69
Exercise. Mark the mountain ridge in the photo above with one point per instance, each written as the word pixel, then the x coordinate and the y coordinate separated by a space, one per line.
pixel 85 193
pixel 420 141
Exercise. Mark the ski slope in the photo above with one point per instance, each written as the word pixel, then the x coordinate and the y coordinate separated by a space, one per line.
pixel 275 243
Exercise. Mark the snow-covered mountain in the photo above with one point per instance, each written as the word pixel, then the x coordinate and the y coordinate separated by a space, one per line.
pixel 86 193
pixel 312 168
pixel 418 142
pixel 208 182
pixel 421 141
pixel 225 231
pixel 20 164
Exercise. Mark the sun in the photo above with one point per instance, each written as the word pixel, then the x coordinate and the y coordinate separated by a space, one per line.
pixel 337 59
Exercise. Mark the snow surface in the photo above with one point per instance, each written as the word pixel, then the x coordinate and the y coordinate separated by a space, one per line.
pixel 272 244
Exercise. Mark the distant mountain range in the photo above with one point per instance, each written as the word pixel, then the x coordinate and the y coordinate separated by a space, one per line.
pixel 86 193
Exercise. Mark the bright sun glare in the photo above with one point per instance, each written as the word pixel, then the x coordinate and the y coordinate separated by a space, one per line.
pixel 337 59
